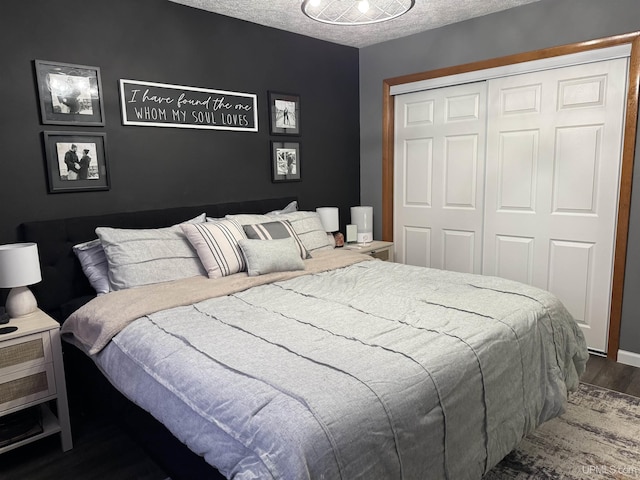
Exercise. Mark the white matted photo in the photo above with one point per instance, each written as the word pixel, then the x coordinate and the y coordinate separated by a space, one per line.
pixel 284 113
pixel 285 161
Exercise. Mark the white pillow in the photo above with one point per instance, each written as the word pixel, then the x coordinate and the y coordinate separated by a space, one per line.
pixel 217 246
pixel 309 228
pixel 291 207
pixel 250 218
pixel 266 256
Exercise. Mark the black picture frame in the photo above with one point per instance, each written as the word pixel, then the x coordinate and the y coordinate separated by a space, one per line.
pixel 284 113
pixel 69 94
pixel 89 174
pixel 285 162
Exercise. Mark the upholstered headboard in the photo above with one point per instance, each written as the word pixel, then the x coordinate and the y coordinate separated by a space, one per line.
pixel 64 286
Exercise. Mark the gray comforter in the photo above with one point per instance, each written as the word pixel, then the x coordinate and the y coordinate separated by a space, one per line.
pixel 372 371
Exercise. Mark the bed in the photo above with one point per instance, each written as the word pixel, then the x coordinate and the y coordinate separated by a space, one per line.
pixel 286 358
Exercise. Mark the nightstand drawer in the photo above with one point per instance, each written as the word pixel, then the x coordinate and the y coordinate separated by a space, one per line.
pixel 26 385
pixel 25 352
pixel 383 254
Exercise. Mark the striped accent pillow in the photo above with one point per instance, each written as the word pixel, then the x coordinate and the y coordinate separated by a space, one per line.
pixel 275 231
pixel 307 226
pixel 217 246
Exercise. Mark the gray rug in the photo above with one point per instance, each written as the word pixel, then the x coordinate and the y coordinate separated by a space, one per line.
pixel 598 437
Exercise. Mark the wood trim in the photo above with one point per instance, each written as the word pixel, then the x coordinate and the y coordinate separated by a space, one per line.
pixel 628 151
pixel 388 130
pixel 624 201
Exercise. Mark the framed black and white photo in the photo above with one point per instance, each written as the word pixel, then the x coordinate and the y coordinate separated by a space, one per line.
pixel 76 161
pixel 284 113
pixel 69 94
pixel 285 162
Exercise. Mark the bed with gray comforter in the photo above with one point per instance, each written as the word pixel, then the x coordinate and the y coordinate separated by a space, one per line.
pixel 351 369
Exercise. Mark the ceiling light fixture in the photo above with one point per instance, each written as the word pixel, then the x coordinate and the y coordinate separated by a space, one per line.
pixel 355 12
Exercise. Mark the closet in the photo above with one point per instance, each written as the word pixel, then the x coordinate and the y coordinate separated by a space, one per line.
pixel 516 175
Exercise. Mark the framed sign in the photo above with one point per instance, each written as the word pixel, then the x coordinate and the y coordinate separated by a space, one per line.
pixel 284 113
pixel 285 162
pixel 76 161
pixel 69 94
pixel 163 105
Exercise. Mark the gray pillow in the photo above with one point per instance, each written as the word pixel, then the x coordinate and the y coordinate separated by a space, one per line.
pixel 94 261
pixel 266 256
pixel 144 256
pixel 274 231
pixel 94 264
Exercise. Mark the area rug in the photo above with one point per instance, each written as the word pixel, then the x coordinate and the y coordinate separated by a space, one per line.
pixel 598 437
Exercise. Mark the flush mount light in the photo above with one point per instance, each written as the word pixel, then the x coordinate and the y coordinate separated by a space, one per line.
pixel 355 12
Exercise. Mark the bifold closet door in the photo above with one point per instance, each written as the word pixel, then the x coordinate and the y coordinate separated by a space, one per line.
pixel 554 142
pixel 439 177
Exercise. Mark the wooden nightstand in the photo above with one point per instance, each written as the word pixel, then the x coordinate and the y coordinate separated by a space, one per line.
pixel 32 374
pixel 377 249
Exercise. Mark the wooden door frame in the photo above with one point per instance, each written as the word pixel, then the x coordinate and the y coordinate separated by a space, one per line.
pixel 628 149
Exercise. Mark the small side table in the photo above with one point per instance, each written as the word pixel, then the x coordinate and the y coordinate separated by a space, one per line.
pixel 32 374
pixel 376 249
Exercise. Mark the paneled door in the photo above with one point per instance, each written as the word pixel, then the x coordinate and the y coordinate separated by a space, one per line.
pixel 439 177
pixel 554 145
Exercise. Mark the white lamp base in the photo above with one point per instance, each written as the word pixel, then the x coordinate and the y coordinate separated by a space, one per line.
pixel 365 238
pixel 20 302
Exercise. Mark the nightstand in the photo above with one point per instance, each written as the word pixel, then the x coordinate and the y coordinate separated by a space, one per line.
pixel 32 374
pixel 376 249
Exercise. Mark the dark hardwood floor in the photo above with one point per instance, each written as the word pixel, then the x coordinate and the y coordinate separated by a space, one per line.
pixel 102 450
pixel 612 375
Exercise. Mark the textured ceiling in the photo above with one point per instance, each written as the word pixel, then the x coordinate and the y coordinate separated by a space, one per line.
pixel 287 15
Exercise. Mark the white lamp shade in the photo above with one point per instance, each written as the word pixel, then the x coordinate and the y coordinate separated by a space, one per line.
pixel 363 218
pixel 19 265
pixel 330 218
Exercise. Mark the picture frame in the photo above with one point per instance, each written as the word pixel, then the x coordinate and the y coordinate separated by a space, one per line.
pixel 69 94
pixel 284 113
pixel 285 162
pixel 85 169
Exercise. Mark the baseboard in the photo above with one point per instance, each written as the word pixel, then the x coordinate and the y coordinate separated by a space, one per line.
pixel 629 358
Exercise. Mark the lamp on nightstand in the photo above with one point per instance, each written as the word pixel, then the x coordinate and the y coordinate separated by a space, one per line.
pixel 19 267
pixel 330 218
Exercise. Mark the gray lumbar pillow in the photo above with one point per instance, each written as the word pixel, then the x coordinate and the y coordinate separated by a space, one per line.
pixel 266 256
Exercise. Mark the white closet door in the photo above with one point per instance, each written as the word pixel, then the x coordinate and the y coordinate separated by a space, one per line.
pixel 553 169
pixel 439 173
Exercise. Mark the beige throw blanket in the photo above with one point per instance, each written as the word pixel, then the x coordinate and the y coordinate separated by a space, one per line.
pixel 92 326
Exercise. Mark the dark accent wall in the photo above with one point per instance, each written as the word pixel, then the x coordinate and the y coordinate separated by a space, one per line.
pixel 538 25
pixel 154 167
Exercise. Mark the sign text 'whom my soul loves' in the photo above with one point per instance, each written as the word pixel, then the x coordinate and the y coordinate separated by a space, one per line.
pixel 162 105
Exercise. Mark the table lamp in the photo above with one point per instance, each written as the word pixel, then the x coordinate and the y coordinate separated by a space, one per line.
pixel 19 267
pixel 330 218
pixel 363 218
